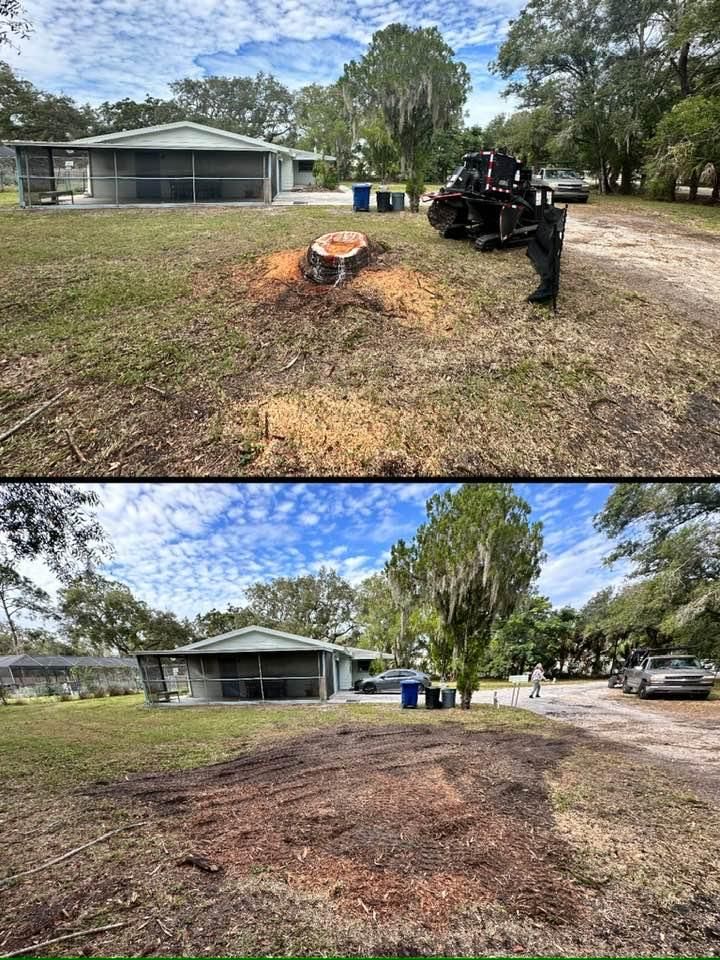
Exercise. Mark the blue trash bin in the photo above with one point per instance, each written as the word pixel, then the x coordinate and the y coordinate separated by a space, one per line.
pixel 409 693
pixel 361 197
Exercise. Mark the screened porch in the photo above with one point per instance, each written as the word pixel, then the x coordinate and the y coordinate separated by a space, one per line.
pixel 238 677
pixel 103 176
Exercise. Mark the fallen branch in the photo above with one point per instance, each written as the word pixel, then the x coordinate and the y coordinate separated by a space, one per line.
pixel 75 449
pixel 71 853
pixel 36 413
pixel 202 863
pixel 149 386
pixel 66 936
pixel 291 364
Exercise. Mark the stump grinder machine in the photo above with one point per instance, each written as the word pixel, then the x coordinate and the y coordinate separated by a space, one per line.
pixel 490 199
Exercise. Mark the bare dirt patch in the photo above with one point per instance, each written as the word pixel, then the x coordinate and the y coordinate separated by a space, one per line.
pixel 397 822
pixel 409 297
pixel 675 264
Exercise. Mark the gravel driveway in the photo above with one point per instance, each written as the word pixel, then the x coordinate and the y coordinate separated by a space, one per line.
pixel 690 739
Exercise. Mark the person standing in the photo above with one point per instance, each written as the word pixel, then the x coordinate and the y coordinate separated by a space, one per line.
pixel 538 675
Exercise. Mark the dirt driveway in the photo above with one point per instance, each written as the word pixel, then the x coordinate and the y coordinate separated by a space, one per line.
pixel 685 733
pixel 676 264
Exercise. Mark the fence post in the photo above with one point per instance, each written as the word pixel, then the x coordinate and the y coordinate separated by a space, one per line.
pixel 192 158
pixel 117 200
pixel 27 180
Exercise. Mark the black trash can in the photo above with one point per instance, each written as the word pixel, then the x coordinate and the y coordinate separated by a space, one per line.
pixel 398 202
pixel 383 201
pixel 448 698
pixel 432 698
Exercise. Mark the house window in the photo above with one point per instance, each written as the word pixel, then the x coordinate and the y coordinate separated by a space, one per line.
pixel 305 166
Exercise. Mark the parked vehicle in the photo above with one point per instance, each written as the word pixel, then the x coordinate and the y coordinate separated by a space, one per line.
pixel 671 673
pixel 565 184
pixel 390 680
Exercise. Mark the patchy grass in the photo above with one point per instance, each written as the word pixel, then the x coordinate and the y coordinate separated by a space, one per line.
pixel 60 744
pixel 178 361
pixel 8 197
pixel 703 216
pixel 532 839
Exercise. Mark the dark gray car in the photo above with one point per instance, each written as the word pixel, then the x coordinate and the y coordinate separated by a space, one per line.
pixel 390 680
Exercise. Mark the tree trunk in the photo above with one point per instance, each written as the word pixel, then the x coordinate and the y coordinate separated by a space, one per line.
pixel 682 69
pixel 11 625
pixel 716 183
pixel 414 202
pixel 694 184
pixel 627 172
pixel 465 698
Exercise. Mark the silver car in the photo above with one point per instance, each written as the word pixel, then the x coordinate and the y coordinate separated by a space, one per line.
pixel 565 183
pixel 669 674
pixel 390 680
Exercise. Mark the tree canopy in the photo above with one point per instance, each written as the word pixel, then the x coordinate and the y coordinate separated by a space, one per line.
pixel 52 521
pixel 477 557
pixel 410 77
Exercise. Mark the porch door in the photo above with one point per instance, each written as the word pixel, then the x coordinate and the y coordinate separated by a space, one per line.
pixel 147 164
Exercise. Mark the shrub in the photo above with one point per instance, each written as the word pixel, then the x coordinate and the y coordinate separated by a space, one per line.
pixel 64 697
pixel 116 691
pixel 99 693
pixel 19 702
pixel 325 174
pixel 85 695
pixel 128 690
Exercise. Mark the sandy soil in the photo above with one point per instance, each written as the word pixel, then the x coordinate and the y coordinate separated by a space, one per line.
pixel 681 732
pixel 677 264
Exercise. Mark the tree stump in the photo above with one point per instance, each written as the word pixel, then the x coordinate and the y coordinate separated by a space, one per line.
pixel 336 257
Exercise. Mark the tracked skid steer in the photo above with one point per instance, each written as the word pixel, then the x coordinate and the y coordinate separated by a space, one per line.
pixel 490 200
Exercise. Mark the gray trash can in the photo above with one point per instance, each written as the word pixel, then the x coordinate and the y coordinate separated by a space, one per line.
pixel 448 697
pixel 397 201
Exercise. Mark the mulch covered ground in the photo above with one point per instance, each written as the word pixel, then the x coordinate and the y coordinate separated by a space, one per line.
pixel 394 822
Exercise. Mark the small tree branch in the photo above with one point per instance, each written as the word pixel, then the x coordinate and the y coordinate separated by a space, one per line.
pixel 66 936
pixel 71 853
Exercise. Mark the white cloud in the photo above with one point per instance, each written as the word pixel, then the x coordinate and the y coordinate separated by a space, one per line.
pixel 110 49
pixel 573 574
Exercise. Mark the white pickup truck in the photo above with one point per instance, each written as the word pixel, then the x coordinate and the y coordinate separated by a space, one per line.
pixel 671 673
pixel 565 184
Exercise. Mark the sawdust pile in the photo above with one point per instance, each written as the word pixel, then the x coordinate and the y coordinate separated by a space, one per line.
pixel 407 296
pixel 277 275
pixel 412 297
pixel 406 821
pixel 329 428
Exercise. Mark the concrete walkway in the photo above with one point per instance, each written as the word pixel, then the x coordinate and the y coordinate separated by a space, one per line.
pixel 291 198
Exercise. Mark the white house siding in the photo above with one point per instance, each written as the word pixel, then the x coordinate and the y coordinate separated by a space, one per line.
pixel 287 181
pixel 255 641
pixel 302 178
pixel 181 137
pixel 346 674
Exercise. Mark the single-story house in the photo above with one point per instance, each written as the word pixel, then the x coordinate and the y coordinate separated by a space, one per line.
pixel 180 162
pixel 22 673
pixel 254 663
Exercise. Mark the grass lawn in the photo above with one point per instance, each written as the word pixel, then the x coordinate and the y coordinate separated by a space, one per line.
pixel 705 216
pixel 344 830
pixel 8 197
pixel 187 344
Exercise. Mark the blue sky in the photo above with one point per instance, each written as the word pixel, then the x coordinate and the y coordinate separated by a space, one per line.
pixel 190 547
pixel 109 49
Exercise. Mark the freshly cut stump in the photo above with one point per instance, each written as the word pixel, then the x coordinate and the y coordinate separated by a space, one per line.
pixel 336 257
